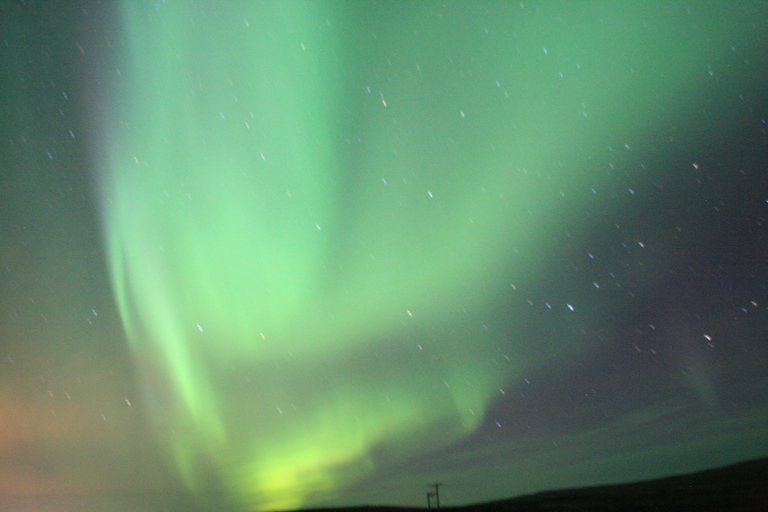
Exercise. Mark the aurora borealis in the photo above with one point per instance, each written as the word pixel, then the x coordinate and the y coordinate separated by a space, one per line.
pixel 301 254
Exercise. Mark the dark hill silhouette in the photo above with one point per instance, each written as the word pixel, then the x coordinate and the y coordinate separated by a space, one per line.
pixel 742 487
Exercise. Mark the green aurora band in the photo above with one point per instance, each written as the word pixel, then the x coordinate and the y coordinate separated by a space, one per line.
pixel 312 208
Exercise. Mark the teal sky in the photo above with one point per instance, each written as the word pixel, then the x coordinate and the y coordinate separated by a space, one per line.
pixel 297 254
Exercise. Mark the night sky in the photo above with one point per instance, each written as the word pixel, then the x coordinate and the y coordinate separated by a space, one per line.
pixel 280 255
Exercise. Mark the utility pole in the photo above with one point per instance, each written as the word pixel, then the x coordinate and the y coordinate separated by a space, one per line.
pixel 436 485
pixel 429 499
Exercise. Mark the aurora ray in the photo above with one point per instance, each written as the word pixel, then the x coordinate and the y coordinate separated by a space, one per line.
pixel 297 216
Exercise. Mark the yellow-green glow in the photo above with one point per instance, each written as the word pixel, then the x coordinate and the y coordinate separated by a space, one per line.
pixel 308 203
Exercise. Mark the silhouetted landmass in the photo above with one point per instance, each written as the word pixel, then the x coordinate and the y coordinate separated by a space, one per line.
pixel 742 486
